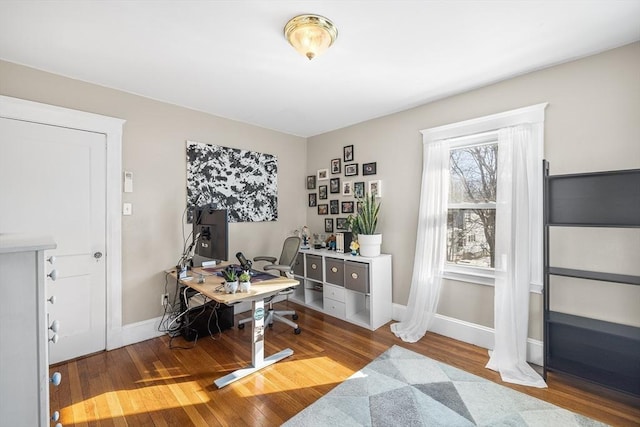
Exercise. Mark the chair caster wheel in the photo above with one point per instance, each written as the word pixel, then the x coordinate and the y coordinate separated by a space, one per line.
pixel 294 317
pixel 297 331
pixel 240 325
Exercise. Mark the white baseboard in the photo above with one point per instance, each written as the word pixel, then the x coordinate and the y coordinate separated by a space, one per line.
pixel 141 331
pixel 472 333
pixel 147 329
pixel 460 330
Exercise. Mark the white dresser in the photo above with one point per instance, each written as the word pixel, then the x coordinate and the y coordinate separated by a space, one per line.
pixel 24 331
pixel 353 288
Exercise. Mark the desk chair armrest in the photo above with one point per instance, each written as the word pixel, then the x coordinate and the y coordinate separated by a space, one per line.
pixel 269 259
pixel 280 268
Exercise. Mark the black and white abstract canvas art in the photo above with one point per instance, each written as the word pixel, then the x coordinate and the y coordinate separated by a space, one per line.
pixel 241 181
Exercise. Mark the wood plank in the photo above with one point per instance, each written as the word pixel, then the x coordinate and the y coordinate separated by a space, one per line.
pixel 151 384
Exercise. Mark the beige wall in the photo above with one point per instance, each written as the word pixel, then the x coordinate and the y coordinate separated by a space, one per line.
pixel 154 150
pixel 592 124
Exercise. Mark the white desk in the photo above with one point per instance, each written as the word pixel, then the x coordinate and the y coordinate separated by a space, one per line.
pixel 259 291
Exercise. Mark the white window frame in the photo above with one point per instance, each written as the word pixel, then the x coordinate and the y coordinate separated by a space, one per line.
pixel 474 132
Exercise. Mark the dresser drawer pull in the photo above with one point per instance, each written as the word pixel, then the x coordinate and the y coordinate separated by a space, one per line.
pixel 54 339
pixel 53 275
pixel 334 269
pixel 56 378
pixel 55 326
pixel 354 275
pixel 314 267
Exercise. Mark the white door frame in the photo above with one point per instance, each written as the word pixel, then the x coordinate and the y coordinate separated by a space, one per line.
pixel 20 109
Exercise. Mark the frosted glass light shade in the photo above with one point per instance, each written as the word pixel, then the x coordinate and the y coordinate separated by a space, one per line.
pixel 310 35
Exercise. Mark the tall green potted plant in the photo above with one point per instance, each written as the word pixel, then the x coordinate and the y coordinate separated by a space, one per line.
pixel 364 224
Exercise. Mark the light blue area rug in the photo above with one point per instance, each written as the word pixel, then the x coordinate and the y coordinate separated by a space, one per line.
pixel 404 388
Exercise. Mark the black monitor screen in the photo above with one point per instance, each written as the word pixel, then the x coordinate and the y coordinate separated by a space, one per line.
pixel 210 231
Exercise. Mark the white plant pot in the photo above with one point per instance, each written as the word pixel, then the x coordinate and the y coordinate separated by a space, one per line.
pixel 231 287
pixel 370 244
pixel 245 286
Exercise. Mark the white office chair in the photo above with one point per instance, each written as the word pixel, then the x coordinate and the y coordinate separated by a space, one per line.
pixel 290 249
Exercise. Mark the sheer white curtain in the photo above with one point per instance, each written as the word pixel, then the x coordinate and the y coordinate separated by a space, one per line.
pixel 430 246
pixel 517 249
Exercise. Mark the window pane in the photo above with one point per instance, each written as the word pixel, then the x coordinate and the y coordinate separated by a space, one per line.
pixel 473 174
pixel 471 237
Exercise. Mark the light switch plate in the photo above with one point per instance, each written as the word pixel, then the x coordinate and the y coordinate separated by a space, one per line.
pixel 127 209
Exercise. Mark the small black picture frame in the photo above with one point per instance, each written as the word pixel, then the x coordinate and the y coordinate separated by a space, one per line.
pixel 312 200
pixel 358 190
pixel 369 168
pixel 335 166
pixel 347 207
pixel 322 192
pixel 347 153
pixel 334 185
pixel 323 209
pixel 333 207
pixel 351 169
pixel 311 182
pixel 341 224
pixel 328 225
pixel 322 174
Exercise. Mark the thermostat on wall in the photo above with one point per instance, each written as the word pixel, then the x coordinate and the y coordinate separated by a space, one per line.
pixel 128 182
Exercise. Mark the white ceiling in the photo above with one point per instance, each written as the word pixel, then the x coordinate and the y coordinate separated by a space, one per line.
pixel 230 59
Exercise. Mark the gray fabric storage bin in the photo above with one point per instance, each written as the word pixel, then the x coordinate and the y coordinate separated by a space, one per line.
pixel 334 271
pixel 298 267
pixel 314 267
pixel 356 276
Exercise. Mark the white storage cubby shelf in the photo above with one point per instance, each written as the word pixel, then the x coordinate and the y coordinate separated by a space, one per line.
pixel 352 288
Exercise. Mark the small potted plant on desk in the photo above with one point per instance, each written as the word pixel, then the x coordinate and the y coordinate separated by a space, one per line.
pixel 230 280
pixel 245 281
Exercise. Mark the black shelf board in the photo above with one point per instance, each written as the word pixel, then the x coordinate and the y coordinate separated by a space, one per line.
pixel 609 198
pixel 617 329
pixel 552 223
pixel 597 375
pixel 595 275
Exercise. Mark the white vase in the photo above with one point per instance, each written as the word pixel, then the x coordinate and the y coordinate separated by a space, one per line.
pixel 231 287
pixel 370 244
pixel 245 286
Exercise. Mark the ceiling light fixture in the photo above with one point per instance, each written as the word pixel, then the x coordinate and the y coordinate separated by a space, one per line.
pixel 310 34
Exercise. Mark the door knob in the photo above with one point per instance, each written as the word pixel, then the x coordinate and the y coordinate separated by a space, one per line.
pixel 97 255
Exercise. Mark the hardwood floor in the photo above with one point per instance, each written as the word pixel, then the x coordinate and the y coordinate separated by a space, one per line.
pixel 149 384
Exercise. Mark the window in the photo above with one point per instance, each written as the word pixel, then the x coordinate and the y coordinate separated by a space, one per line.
pixel 473 186
pixel 471 210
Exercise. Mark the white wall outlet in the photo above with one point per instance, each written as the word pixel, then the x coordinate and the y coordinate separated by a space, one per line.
pixel 164 299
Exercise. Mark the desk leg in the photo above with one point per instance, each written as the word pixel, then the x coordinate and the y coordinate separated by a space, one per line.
pixel 258 360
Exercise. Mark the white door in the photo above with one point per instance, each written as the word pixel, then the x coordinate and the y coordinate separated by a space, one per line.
pixel 52 181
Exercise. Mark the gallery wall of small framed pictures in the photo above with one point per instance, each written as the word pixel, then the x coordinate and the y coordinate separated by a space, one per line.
pixel 347 190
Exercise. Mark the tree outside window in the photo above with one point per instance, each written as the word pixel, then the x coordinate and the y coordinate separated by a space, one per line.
pixel 472 205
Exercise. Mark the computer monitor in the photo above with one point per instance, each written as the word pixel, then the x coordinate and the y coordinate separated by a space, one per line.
pixel 210 234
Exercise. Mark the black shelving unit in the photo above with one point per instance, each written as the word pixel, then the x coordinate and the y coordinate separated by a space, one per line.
pixel 602 352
